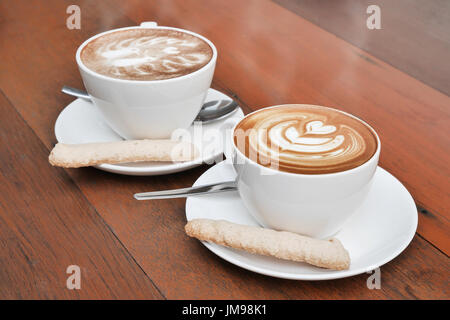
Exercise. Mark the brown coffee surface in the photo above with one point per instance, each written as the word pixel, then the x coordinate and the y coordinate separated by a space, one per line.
pixel 305 139
pixel 146 54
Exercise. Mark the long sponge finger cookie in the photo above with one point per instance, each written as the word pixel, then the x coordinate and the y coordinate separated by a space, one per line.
pixel 89 154
pixel 328 254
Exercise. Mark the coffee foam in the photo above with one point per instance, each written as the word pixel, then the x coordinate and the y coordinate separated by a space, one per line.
pixel 305 139
pixel 146 54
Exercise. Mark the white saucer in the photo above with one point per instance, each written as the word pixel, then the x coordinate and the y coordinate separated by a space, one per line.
pixel 81 122
pixel 381 230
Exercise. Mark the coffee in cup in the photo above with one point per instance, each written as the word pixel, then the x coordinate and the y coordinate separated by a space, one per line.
pixel 146 54
pixel 303 168
pixel 147 81
pixel 305 139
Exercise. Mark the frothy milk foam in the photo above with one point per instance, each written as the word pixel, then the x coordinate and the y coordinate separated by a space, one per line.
pixel 305 139
pixel 146 54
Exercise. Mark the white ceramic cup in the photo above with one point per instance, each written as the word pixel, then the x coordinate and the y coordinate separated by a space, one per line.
pixel 315 205
pixel 138 109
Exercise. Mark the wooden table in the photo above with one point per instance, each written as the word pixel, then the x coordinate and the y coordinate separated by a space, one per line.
pixel 396 78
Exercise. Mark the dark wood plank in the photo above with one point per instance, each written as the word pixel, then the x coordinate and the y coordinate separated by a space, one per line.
pixel 414 35
pixel 262 71
pixel 46 224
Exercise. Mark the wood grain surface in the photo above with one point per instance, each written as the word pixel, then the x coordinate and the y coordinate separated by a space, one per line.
pixel 268 55
pixel 413 37
pixel 46 225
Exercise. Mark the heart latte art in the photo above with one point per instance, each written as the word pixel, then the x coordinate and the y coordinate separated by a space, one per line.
pixel 305 139
pixel 146 54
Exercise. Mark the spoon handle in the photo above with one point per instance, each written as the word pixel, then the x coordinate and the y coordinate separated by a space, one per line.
pixel 76 93
pixel 185 192
pixel 221 109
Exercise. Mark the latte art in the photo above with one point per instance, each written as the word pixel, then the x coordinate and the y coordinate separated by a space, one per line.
pixel 146 54
pixel 305 139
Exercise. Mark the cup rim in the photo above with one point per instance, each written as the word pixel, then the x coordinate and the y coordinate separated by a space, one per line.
pixel 96 74
pixel 312 175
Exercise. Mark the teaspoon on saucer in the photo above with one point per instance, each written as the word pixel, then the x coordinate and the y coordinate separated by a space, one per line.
pixel 186 192
pixel 210 111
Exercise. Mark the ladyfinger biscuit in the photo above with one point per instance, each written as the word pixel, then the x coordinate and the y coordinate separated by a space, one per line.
pixel 328 254
pixel 89 154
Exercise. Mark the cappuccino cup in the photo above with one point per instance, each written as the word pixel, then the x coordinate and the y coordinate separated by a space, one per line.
pixel 147 80
pixel 303 168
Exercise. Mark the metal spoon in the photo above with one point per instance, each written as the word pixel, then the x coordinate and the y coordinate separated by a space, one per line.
pixel 186 192
pixel 210 111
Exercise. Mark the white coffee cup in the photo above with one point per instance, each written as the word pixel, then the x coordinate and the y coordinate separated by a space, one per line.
pixel 315 205
pixel 138 109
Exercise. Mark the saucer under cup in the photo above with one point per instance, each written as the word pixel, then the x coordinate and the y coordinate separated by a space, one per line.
pixel 381 229
pixel 81 122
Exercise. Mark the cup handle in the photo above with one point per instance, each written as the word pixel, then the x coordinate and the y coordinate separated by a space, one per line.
pixel 228 125
pixel 149 24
